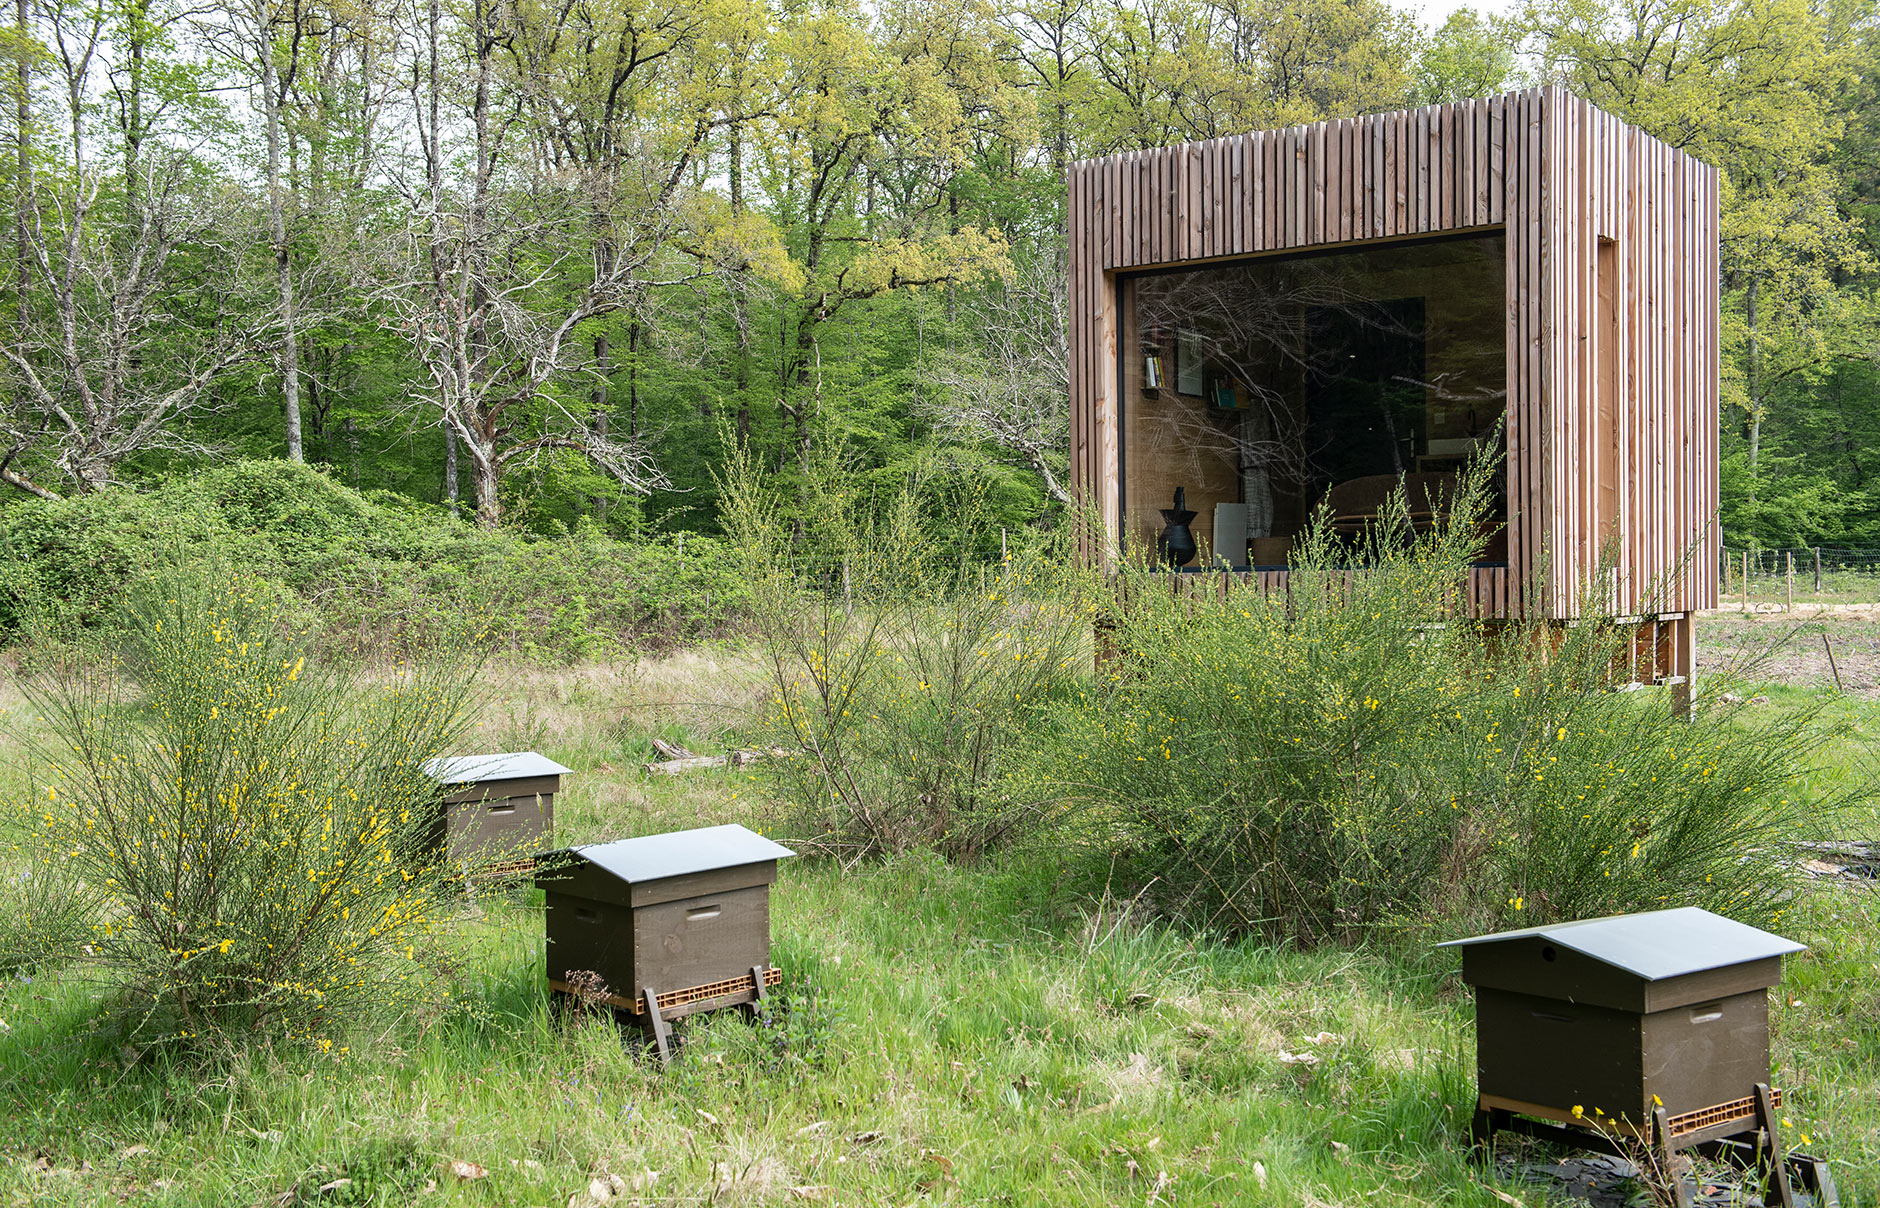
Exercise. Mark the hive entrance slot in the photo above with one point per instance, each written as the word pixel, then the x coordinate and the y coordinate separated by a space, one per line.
pixel 699 914
pixel 1705 1012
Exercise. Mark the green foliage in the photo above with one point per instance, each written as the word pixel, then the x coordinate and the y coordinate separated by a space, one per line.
pixel 1776 95
pixel 1354 755
pixel 259 835
pixel 372 572
pixel 957 1015
pixel 371 1170
pixel 1471 55
pixel 902 671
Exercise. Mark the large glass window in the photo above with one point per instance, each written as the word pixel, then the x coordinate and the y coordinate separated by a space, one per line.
pixel 1262 388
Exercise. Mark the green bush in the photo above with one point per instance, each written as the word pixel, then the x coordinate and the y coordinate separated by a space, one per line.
pixel 903 672
pixel 1355 755
pixel 375 573
pixel 256 833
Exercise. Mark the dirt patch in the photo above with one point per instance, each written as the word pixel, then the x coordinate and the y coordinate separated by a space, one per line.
pixel 1787 647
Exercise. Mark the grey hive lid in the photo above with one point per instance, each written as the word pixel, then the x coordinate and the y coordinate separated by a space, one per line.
pixel 471 769
pixel 680 853
pixel 1656 944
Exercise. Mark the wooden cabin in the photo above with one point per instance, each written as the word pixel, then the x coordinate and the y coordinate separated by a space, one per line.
pixel 1278 319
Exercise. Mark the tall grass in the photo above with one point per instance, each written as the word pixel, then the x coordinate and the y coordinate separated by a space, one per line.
pixel 902 671
pixel 1356 753
pixel 1050 1045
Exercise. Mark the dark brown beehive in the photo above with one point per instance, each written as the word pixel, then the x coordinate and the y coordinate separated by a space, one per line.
pixel 1620 1015
pixel 681 920
pixel 496 805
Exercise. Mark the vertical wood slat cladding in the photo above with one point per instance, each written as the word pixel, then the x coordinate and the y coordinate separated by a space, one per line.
pixel 1559 177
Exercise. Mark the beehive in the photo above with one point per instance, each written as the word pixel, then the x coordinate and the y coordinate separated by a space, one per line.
pixel 1616 1016
pixel 666 925
pixel 500 804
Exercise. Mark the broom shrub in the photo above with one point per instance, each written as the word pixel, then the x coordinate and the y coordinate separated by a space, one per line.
pixel 254 831
pixel 1354 754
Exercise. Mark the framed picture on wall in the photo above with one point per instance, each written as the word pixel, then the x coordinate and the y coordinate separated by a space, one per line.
pixel 1190 372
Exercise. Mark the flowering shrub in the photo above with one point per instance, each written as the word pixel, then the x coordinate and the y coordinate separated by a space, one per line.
pixel 255 833
pixel 902 672
pixel 1355 754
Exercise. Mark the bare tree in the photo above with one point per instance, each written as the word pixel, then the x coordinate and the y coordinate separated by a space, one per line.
pixel 137 317
pixel 105 372
pixel 548 227
pixel 1009 384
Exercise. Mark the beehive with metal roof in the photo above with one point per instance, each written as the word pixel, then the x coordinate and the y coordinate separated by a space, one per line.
pixel 497 804
pixel 664 925
pixel 1616 1016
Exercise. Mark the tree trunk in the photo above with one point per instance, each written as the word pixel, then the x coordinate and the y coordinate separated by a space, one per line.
pixel 476 259
pixel 451 494
pixel 139 18
pixel 1753 387
pixel 489 511
pixel 22 203
pixel 740 304
pixel 271 95
pixel 633 380
pixel 601 400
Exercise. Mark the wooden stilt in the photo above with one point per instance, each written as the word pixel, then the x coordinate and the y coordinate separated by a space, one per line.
pixel 1482 1134
pixel 1683 635
pixel 1777 1190
pixel 755 1007
pixel 662 1031
pixel 1666 1159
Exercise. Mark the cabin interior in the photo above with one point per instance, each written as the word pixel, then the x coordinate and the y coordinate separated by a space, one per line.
pixel 1264 387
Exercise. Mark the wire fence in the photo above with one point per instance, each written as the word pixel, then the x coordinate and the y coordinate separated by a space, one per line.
pixel 1797 577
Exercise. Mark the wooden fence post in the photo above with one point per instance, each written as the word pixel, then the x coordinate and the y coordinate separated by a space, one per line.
pixel 1817 570
pixel 1789 558
pixel 1745 580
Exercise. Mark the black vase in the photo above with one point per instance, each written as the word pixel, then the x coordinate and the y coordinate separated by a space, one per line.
pixel 1176 545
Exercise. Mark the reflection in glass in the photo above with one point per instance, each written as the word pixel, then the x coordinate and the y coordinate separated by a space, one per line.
pixel 1329 377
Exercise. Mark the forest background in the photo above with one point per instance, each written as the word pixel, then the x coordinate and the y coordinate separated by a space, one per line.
pixel 544 261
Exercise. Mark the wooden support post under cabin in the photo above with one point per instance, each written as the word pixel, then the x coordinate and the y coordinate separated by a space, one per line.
pixel 1681 661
